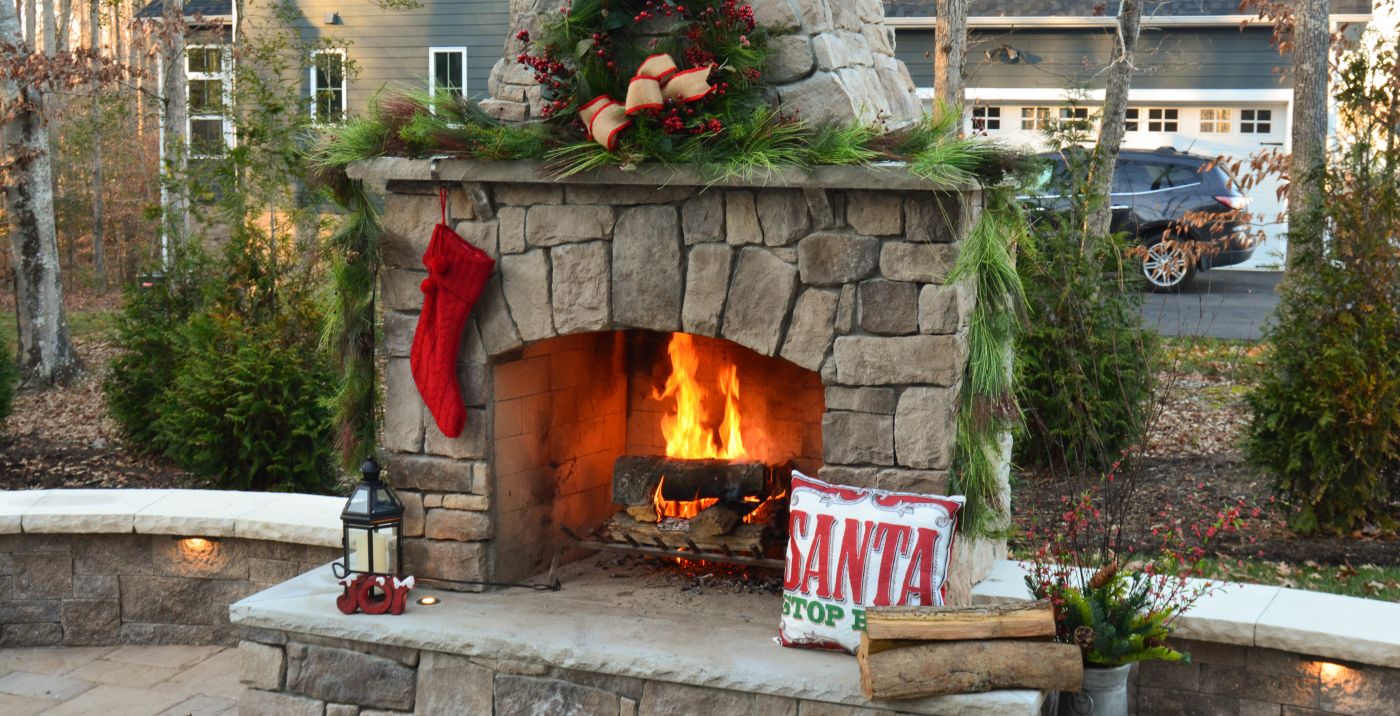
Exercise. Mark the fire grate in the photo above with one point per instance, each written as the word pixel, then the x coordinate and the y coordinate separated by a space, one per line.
pixel 691 551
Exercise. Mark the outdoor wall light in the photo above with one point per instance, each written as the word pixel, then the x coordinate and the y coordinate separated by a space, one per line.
pixel 428 601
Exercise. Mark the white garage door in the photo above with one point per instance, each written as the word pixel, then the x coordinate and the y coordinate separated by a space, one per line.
pixel 1216 127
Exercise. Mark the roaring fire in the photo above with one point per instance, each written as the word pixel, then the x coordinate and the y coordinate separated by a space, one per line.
pixel 687 435
pixel 681 509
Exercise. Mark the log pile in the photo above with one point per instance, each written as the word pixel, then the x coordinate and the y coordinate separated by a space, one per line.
pixel 913 652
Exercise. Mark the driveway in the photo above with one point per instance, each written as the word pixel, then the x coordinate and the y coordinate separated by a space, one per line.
pixel 1219 304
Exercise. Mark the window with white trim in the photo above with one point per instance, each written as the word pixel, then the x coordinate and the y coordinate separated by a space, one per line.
pixel 1256 121
pixel 208 79
pixel 1163 119
pixel 1216 121
pixel 447 70
pixel 1130 120
pixel 328 93
pixel 986 119
pixel 1076 118
pixel 1036 118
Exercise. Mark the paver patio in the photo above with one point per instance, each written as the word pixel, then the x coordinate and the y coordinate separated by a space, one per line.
pixel 120 681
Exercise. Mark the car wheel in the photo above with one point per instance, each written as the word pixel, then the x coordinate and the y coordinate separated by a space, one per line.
pixel 1168 266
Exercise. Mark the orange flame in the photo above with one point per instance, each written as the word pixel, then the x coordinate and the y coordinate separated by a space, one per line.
pixel 685 431
pixel 680 509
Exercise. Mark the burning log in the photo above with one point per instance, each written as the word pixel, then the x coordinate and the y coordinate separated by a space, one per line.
pixel 673 534
pixel 904 670
pixel 719 518
pixel 636 477
pixel 998 621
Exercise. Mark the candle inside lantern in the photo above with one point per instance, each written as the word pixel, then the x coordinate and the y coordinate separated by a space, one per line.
pixel 360 543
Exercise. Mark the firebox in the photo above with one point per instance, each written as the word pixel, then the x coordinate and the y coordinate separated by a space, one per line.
pixel 665 444
pixel 654 356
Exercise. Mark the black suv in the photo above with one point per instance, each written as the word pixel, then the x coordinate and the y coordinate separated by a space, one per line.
pixel 1153 192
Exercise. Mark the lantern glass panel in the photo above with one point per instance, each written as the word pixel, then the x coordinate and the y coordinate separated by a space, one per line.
pixel 372 550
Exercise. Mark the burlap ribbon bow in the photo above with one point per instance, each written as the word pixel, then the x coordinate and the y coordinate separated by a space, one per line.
pixel 657 80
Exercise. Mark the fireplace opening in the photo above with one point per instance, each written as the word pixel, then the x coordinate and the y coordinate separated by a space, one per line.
pixel 667 445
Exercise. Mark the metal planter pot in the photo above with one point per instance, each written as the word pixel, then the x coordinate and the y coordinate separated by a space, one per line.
pixel 1105 693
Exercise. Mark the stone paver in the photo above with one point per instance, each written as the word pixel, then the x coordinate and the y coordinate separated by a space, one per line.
pixel 120 681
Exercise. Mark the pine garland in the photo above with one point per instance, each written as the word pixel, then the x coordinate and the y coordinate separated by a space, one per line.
pixel 987 411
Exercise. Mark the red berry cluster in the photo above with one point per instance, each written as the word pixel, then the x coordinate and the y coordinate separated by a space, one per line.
pixel 659 8
pixel 603 48
pixel 730 14
pixel 551 74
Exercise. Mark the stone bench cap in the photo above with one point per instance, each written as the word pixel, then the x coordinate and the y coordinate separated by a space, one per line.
pixel 1326 626
pixel 271 516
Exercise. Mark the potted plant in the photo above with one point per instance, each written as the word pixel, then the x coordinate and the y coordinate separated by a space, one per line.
pixel 1118 590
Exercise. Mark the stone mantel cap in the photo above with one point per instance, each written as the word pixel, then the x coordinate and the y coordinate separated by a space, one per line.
pixel 882 176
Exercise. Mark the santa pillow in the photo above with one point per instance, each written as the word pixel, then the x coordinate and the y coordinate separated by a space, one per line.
pixel 850 548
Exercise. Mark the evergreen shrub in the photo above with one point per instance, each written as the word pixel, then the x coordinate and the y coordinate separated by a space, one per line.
pixel 1326 406
pixel 1085 358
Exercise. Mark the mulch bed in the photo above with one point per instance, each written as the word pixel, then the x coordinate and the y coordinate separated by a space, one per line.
pixel 64 438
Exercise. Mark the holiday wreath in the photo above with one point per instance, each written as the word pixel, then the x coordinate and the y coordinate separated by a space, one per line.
pixel 626 82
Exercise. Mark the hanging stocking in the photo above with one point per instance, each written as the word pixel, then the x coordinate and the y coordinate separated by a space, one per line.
pixel 457 273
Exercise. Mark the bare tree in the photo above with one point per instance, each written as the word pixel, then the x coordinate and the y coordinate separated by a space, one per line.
pixel 1311 41
pixel 1115 109
pixel 30 23
pixel 175 205
pixel 45 350
pixel 950 53
pixel 99 253
pixel 49 25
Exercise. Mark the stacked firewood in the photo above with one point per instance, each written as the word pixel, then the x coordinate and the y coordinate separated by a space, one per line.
pixel 912 652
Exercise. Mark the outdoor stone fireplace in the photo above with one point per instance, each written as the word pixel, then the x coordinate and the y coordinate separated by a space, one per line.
pixel 828 298
pixel 814 308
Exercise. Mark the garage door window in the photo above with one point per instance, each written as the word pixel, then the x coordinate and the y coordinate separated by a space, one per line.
pixel 1215 121
pixel 1256 121
pixel 1163 119
pixel 1037 118
pixel 986 119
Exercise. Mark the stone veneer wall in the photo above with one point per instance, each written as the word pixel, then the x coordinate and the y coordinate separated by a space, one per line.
pixel 290 674
pixel 106 589
pixel 1254 681
pixel 833 60
pixel 846 282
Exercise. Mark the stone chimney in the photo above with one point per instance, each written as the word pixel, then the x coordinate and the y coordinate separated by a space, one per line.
pixel 833 61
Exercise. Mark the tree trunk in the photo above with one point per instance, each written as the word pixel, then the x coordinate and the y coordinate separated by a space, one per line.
pixel 907 670
pixel 48 31
pixel 65 22
pixel 950 52
pixel 1115 110
pixel 1311 39
pixel 45 351
pixel 99 252
pixel 174 200
pixel 30 21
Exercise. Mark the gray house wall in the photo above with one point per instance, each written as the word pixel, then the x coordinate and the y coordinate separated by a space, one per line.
pixel 390 47
pixel 1169 58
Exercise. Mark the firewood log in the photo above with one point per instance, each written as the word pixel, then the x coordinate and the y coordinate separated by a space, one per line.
pixel 718 519
pixel 905 670
pixel 997 621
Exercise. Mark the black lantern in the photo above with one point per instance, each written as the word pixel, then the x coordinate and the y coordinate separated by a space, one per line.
pixel 373 525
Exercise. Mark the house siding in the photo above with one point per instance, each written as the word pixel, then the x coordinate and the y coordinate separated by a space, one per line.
pixel 1061 58
pixel 389 48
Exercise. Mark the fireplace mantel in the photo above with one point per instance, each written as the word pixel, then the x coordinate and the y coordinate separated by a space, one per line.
pixel 884 176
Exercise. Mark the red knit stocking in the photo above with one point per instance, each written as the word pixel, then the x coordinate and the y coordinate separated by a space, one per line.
pixel 457 273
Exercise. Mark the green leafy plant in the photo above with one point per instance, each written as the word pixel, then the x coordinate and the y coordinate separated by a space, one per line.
pixel 1112 619
pixel 1326 405
pixel 154 308
pixel 1086 359
pixel 9 377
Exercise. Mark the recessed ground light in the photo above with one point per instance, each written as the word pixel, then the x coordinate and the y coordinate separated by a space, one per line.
pixel 428 601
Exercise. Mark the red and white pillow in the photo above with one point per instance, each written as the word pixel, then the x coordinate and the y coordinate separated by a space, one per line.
pixel 850 548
